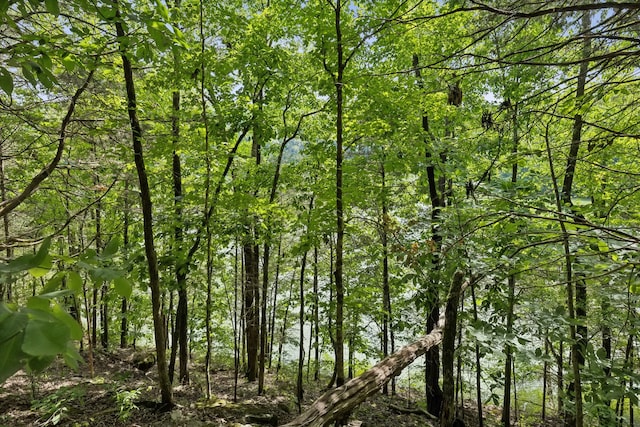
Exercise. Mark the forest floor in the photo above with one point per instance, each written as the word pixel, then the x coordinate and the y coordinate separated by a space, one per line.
pixel 120 395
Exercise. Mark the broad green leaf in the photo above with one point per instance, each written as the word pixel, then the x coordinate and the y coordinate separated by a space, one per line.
pixel 54 283
pixel 75 330
pixel 38 303
pixel 74 281
pixel 56 294
pixel 28 261
pixel 6 81
pixel 26 72
pixel 69 63
pixel 11 357
pixel 162 10
pixel 602 246
pixel 99 275
pixel 111 249
pixel 71 356
pixel 4 7
pixel 52 7
pixel 39 364
pixel 122 286
pixel 156 31
pixel 43 338
pixel 11 325
pixel 43 268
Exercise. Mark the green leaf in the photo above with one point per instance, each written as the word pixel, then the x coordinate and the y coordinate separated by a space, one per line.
pixel 71 356
pixel 162 10
pixel 26 72
pixel 156 31
pixel 111 249
pixel 38 303
pixel 602 246
pixel 74 281
pixel 99 274
pixel 43 268
pixel 54 283
pixel 75 330
pixel 11 357
pixel 39 364
pixel 6 81
pixel 122 286
pixel 52 7
pixel 43 338
pixel 11 324
pixel 4 7
pixel 26 262
pixel 69 63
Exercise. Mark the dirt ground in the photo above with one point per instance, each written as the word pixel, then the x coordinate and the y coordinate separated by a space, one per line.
pixel 118 394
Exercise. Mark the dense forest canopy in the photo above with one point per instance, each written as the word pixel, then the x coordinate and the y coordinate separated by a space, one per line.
pixel 296 182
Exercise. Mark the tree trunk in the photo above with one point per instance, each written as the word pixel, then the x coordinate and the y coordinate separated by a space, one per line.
pixel 299 389
pixel 478 368
pixel 251 311
pixel 448 415
pixel 316 317
pixel 511 300
pixel 5 288
pixel 145 198
pixel 274 301
pixel 578 306
pixel 339 283
pixel 182 312
pixel 124 325
pixel 386 292
pixel 433 391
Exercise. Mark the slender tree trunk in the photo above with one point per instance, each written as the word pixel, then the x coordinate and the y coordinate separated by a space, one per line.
pixel 145 198
pixel 331 308
pixel 124 325
pixel 236 329
pixel 299 389
pixel 316 317
pixel 573 415
pixel 207 202
pixel 478 368
pixel 511 298
pixel 283 329
pixel 432 358
pixel 251 302
pixel 5 288
pixel 386 292
pixel 578 306
pixel 448 414
pixel 339 284
pixel 182 312
pixel 274 302
pixel 545 378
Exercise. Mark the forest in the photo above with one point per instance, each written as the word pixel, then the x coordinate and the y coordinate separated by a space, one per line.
pixel 278 212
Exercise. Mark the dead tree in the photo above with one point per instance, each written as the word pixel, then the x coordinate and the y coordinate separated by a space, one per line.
pixel 337 403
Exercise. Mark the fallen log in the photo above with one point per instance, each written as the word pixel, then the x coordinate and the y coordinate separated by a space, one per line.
pixel 337 403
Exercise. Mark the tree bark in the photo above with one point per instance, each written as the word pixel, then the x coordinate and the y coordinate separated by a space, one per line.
pixel 339 280
pixel 433 391
pixel 578 306
pixel 448 415
pixel 147 215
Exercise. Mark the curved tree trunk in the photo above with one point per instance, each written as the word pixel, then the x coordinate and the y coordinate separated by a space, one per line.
pixel 145 197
